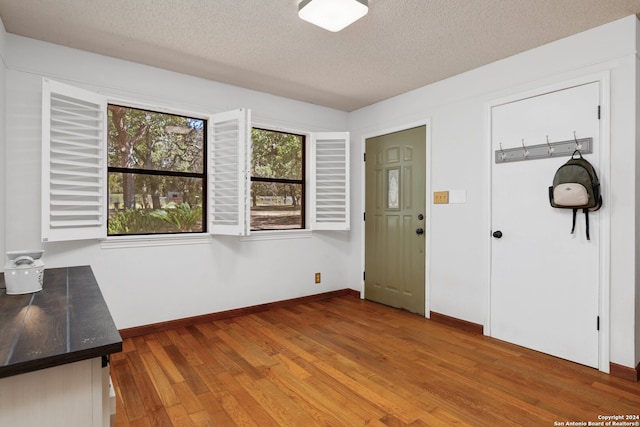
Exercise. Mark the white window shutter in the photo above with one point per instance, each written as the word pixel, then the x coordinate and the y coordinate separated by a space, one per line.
pixel 74 174
pixel 330 181
pixel 229 163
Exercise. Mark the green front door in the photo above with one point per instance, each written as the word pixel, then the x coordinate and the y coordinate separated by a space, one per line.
pixel 395 219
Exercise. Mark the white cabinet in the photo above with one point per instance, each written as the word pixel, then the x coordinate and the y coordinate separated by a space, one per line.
pixel 75 394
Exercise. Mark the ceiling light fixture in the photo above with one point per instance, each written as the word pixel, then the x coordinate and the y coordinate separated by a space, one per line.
pixel 332 15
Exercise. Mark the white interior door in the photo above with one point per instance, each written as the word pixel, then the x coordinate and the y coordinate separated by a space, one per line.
pixel 544 280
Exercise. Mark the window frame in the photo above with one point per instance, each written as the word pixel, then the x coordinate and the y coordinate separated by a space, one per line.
pixel 153 172
pixel 327 173
pixel 304 182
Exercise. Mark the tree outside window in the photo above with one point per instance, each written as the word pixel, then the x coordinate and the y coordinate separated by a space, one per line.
pixel 277 180
pixel 156 172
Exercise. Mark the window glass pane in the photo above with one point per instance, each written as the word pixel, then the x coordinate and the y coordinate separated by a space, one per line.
pixel 276 206
pixel 276 154
pixel 154 204
pixel 140 139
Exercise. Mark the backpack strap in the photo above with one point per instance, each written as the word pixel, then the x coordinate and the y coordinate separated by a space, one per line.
pixel 586 220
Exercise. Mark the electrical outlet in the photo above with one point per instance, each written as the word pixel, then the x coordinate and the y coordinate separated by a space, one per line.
pixel 440 197
pixel 318 278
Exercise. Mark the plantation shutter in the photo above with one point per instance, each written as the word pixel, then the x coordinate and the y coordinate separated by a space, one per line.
pixel 229 165
pixel 330 181
pixel 74 174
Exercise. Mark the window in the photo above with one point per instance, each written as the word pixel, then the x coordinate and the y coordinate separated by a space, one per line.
pixel 156 172
pixel 105 164
pixel 277 180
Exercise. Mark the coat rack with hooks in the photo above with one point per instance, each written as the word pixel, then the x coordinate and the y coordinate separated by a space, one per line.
pixel 544 151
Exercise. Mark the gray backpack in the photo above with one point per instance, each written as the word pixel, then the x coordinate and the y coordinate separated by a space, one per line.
pixel 576 186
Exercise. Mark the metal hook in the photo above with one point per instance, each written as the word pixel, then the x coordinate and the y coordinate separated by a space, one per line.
pixel 503 156
pixel 550 149
pixel 578 145
pixel 526 152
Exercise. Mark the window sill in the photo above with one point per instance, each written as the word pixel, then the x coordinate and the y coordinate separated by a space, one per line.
pixel 117 242
pixel 277 235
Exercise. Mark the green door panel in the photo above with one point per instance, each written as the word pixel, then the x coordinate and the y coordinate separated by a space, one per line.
pixel 395 195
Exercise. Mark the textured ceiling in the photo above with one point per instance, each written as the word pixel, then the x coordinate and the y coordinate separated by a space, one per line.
pixel 261 44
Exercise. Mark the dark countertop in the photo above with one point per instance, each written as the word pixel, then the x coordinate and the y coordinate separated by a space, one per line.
pixel 67 321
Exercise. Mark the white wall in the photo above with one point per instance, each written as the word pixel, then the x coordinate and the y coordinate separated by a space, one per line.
pixel 637 180
pixel 459 158
pixel 153 284
pixel 3 36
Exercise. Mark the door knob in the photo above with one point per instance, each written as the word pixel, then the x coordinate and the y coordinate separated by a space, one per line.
pixel 420 231
pixel 497 234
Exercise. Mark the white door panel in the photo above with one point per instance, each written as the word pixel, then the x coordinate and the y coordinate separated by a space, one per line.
pixel 544 280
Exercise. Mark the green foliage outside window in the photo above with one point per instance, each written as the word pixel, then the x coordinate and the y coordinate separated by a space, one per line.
pixel 277 174
pixel 156 164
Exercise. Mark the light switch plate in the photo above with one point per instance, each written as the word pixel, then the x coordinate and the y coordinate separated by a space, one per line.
pixel 440 197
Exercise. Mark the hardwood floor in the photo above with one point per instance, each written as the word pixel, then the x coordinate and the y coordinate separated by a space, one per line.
pixel 348 362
